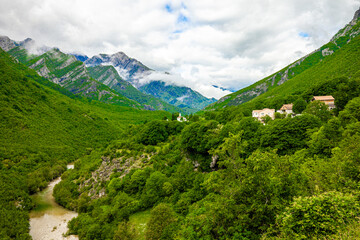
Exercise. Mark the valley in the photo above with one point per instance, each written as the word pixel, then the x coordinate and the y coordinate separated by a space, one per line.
pixel 139 172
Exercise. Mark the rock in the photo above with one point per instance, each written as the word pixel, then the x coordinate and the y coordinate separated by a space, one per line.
pixel 6 43
pixel 214 161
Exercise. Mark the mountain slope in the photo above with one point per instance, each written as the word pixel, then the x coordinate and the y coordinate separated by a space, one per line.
pixel 128 68
pixel 133 71
pixel 341 39
pixel 66 71
pixel 182 97
pixel 110 77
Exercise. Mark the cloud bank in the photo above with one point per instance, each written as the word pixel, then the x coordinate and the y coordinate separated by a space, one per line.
pixel 229 43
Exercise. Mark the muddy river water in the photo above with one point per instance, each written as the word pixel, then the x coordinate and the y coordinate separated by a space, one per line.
pixel 49 220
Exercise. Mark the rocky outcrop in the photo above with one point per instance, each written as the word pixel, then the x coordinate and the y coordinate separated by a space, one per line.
pixel 102 174
pixel 128 68
pixel 6 43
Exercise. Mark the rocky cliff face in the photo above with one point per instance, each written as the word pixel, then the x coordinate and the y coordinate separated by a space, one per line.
pixel 133 71
pixel 66 71
pixel 6 43
pixel 128 68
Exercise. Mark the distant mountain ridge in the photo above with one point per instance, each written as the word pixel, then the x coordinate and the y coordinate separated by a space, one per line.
pixel 134 71
pixel 66 71
pixel 128 68
pixel 110 77
pixel 179 96
pixel 342 38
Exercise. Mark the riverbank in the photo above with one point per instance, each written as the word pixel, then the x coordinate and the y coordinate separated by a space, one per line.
pixel 49 220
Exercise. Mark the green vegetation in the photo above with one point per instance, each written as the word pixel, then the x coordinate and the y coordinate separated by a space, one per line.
pixel 43 127
pixel 223 175
pixel 64 70
pixel 293 178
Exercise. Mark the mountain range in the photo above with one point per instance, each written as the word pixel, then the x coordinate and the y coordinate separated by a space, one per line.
pixel 102 77
pixel 134 71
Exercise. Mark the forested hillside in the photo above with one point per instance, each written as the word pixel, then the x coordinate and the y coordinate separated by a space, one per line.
pixel 226 176
pixel 43 127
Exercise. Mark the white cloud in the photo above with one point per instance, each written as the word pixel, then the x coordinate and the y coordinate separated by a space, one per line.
pixel 228 43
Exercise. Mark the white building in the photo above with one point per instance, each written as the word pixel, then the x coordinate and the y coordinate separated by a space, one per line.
pixel 286 109
pixel 259 114
pixel 181 119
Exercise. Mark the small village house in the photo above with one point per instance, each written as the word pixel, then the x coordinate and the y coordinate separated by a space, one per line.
pixel 286 109
pixel 259 114
pixel 328 100
pixel 181 118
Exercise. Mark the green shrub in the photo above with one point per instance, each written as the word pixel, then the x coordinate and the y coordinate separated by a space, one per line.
pixel 318 215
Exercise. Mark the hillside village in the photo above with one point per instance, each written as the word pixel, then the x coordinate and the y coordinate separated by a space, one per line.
pixel 287 109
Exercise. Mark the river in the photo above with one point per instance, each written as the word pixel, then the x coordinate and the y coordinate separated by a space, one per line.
pixel 49 220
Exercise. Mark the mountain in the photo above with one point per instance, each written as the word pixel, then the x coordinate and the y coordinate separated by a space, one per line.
pixel 128 68
pixel 303 73
pixel 133 71
pixel 182 97
pixel 66 71
pixel 110 77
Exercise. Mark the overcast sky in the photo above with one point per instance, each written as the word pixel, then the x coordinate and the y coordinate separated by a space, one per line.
pixel 228 43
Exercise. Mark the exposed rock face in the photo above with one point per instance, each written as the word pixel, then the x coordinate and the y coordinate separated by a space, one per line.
pixel 6 43
pixel 108 167
pixel 356 17
pixel 128 68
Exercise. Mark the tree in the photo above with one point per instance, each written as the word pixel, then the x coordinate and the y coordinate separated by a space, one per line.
pixel 162 223
pixel 200 137
pixel 319 109
pixel 299 105
pixel 154 188
pixel 317 216
pixel 125 231
pixel 288 135
pixel 153 133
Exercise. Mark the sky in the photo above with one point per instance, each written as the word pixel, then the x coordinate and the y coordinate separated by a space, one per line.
pixel 201 43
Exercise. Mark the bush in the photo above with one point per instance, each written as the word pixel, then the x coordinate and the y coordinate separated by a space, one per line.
pixel 319 215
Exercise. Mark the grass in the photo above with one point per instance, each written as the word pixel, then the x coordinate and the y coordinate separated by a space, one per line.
pixel 140 220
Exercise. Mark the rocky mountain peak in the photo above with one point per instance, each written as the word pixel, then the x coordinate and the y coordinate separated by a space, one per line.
pixel 6 43
pixel 26 41
pixel 356 17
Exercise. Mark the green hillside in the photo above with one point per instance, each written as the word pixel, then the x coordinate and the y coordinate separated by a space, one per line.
pixel 225 177
pixel 41 130
pixel 305 72
pixel 109 76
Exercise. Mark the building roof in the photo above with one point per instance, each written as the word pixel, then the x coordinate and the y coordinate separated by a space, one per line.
pixel 323 98
pixel 287 107
pixel 265 109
